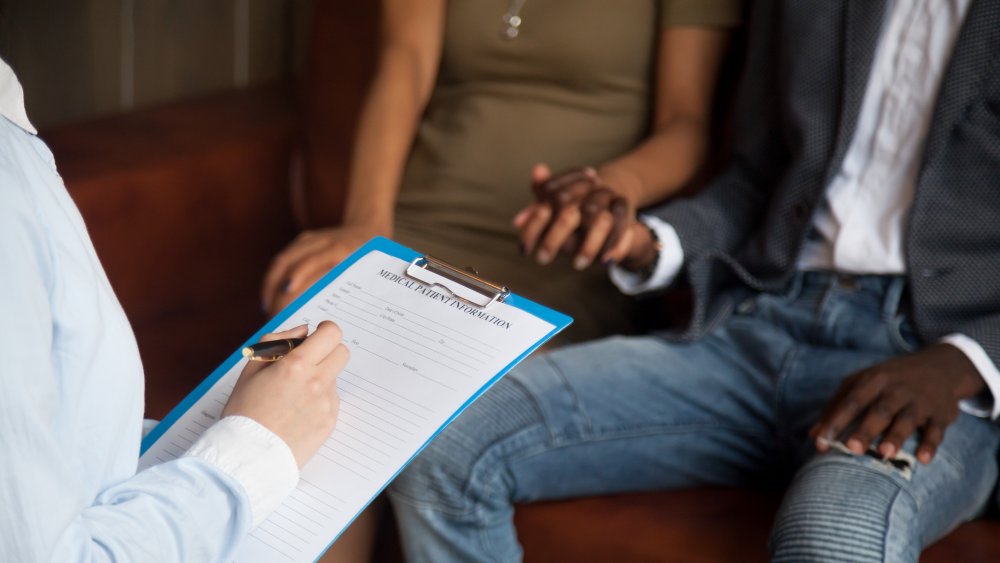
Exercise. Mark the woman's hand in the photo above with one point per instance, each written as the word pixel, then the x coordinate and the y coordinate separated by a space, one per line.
pixel 578 212
pixel 308 258
pixel 296 396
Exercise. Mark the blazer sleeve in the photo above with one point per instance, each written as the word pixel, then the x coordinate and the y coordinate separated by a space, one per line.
pixel 723 215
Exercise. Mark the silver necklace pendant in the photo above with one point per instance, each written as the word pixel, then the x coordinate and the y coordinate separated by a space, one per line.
pixel 512 20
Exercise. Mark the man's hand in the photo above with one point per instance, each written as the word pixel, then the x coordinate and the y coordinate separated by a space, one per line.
pixel 296 396
pixel 308 258
pixel 577 212
pixel 917 392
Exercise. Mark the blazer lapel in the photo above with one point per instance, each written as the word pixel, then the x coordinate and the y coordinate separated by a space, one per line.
pixel 976 57
pixel 862 27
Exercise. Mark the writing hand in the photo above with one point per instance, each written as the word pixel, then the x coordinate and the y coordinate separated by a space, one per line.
pixel 578 213
pixel 917 392
pixel 308 258
pixel 296 396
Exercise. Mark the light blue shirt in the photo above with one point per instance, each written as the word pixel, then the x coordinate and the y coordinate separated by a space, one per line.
pixel 71 402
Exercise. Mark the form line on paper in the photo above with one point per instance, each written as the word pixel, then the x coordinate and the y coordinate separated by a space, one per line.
pixel 365 433
pixel 352 393
pixel 270 522
pixel 360 388
pixel 365 477
pixel 322 490
pixel 373 353
pixel 390 391
pixel 436 323
pixel 317 499
pixel 306 516
pixel 353 449
pixel 311 507
pixel 384 329
pixel 342 456
pixel 362 420
pixel 275 549
pixel 275 536
pixel 376 315
pixel 298 525
pixel 375 416
pixel 338 436
pixel 417 373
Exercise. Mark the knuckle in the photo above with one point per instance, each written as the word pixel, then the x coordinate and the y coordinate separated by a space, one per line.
pixel 568 217
pixel 333 329
pixel 316 387
pixel 877 379
pixel 881 410
pixel 294 366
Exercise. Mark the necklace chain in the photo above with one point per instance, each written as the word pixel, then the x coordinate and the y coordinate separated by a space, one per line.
pixel 512 20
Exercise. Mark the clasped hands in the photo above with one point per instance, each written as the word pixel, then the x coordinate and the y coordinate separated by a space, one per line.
pixel 581 213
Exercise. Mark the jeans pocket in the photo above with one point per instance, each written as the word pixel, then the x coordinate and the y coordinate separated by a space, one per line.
pixel 902 334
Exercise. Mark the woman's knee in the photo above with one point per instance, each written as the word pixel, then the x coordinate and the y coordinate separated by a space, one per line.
pixel 468 456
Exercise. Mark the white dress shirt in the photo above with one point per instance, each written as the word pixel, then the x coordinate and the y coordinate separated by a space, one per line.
pixel 861 222
pixel 71 399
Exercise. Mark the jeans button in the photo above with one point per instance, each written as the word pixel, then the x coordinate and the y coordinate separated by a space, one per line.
pixel 746 306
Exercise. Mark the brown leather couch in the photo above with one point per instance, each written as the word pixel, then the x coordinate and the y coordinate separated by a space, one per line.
pixel 187 203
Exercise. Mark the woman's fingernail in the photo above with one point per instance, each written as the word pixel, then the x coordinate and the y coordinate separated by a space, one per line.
pixel 544 257
pixel 581 262
pixel 286 286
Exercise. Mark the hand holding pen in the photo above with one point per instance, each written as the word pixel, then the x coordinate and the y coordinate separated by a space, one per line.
pixel 296 398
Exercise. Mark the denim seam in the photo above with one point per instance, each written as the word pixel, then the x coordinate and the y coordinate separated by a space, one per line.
pixel 780 387
pixel 576 399
pixel 888 517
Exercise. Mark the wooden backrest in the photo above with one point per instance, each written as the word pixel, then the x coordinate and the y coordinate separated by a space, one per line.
pixel 340 62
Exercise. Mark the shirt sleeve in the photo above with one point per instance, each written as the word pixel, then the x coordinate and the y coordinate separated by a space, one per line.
pixel 984 406
pixel 701 13
pixel 253 456
pixel 668 263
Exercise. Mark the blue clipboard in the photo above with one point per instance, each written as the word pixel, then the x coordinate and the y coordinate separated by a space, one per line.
pixel 424 269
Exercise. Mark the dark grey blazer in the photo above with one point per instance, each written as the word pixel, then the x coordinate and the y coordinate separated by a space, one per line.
pixel 805 78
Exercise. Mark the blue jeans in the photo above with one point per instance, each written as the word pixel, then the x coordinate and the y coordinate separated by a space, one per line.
pixel 734 408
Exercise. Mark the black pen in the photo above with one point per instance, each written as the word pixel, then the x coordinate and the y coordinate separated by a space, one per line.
pixel 272 350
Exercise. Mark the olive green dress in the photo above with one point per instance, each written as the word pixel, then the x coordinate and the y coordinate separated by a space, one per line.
pixel 574 88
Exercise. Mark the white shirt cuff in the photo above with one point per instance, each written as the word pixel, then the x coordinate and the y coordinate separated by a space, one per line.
pixel 668 263
pixel 255 457
pixel 984 407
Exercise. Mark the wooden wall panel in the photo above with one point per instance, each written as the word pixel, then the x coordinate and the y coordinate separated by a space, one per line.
pixel 183 48
pixel 79 59
pixel 269 39
pixel 66 55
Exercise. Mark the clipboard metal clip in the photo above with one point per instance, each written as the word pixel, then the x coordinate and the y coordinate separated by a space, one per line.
pixel 465 286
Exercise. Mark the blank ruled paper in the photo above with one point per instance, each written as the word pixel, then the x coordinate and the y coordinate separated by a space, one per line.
pixel 417 357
